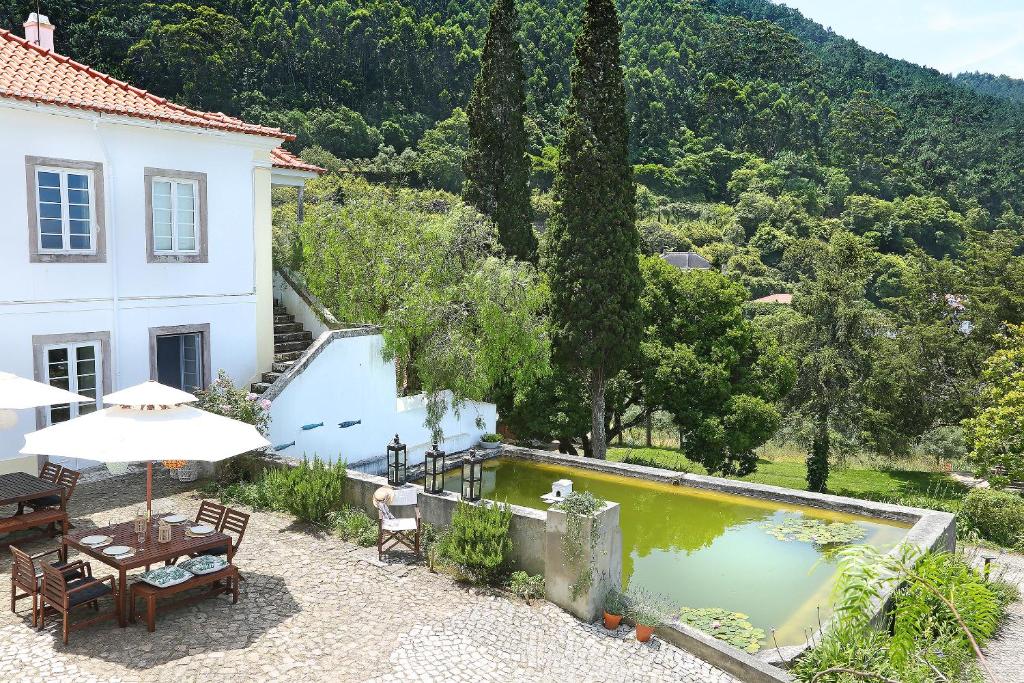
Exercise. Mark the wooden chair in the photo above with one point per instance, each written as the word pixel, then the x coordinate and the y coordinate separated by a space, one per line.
pixel 26 577
pixel 234 522
pixel 210 513
pixel 395 531
pixel 64 596
pixel 50 472
pixel 66 479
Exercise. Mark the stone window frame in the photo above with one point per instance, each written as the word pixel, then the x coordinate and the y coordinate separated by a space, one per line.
pixel 203 329
pixel 35 254
pixel 202 254
pixel 41 341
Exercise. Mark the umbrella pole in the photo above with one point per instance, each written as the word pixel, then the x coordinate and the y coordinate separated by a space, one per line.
pixel 149 490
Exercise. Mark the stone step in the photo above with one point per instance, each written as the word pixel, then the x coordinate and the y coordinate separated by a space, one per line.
pixel 281 310
pixel 259 387
pixel 281 356
pixel 286 328
pixel 287 347
pixel 270 377
pixel 292 337
pixel 280 318
pixel 282 366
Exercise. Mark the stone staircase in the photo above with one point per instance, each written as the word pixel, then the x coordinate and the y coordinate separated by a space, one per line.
pixel 290 341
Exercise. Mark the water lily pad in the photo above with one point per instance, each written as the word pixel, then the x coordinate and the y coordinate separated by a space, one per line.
pixel 729 627
pixel 816 531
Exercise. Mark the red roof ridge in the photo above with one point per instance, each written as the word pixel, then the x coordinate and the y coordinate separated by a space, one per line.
pixel 189 116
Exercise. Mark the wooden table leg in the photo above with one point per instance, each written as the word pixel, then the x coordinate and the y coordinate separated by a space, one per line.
pixel 122 583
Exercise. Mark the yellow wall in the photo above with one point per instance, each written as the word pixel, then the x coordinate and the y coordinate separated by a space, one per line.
pixel 263 234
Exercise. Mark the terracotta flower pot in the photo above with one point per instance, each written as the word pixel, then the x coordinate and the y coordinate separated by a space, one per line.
pixel 611 621
pixel 643 633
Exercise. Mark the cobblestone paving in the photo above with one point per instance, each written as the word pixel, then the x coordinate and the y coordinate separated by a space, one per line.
pixel 316 608
pixel 1005 652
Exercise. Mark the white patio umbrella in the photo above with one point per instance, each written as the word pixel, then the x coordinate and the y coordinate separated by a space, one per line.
pixel 149 422
pixel 18 393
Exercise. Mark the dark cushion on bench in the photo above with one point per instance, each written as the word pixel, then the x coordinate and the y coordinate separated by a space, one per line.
pixel 44 502
pixel 95 590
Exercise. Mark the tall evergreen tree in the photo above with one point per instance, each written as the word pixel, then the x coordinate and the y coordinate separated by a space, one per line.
pixel 497 167
pixel 592 243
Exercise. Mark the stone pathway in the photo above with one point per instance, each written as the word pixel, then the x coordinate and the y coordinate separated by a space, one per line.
pixel 1005 652
pixel 316 608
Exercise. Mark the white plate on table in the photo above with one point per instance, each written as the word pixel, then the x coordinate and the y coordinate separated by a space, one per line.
pixel 95 540
pixel 117 550
pixel 175 519
pixel 202 529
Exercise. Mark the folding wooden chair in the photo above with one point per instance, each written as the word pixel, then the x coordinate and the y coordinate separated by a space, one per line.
pixel 395 531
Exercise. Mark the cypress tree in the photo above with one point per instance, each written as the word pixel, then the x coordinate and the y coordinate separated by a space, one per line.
pixel 592 243
pixel 497 168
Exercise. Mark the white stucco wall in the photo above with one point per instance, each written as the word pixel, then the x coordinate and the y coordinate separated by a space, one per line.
pixel 349 380
pixel 127 295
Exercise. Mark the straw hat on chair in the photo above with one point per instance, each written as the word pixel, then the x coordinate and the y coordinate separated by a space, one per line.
pixel 385 494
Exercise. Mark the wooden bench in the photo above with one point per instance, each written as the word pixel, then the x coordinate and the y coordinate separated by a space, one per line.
pixel 28 520
pixel 141 589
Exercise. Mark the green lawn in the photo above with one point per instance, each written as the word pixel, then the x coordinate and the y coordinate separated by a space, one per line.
pixel 922 489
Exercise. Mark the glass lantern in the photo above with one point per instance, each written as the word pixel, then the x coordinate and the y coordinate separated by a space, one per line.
pixel 398 457
pixel 472 477
pixel 433 470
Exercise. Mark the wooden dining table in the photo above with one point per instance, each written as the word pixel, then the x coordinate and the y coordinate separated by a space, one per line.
pixel 17 488
pixel 150 552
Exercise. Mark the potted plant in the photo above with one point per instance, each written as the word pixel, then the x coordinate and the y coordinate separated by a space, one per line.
pixel 490 441
pixel 646 611
pixel 614 608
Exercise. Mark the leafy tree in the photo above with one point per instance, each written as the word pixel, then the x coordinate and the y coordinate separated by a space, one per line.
pixel 418 264
pixel 497 167
pixel 705 364
pixel 830 342
pixel 441 152
pixel 592 241
pixel 997 444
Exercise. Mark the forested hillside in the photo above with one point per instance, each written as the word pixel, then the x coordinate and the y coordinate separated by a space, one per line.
pixel 711 82
pixel 885 195
pixel 998 86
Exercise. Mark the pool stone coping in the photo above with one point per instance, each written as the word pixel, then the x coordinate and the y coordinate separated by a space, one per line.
pixel 930 530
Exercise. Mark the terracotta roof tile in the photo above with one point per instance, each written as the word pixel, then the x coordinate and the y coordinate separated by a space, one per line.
pixel 282 158
pixel 27 72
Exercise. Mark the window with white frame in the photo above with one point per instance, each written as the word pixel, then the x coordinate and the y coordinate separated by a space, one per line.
pixel 74 366
pixel 175 216
pixel 179 360
pixel 65 202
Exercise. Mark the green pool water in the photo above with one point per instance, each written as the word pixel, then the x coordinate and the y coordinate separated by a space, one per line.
pixel 702 548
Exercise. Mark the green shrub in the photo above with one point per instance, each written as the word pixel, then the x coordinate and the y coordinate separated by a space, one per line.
pixel 996 516
pixel 477 544
pixel 614 602
pixel 354 525
pixel 645 608
pixel 526 586
pixel 315 490
pixel 926 641
pixel 491 438
pixel 311 491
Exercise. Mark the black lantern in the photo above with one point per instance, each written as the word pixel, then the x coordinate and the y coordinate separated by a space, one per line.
pixel 472 476
pixel 433 470
pixel 398 457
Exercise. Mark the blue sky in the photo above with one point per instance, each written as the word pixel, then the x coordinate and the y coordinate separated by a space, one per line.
pixel 949 35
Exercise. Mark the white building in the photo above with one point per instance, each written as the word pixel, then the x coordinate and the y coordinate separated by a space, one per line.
pixel 135 238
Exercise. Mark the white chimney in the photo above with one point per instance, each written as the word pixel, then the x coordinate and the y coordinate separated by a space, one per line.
pixel 39 31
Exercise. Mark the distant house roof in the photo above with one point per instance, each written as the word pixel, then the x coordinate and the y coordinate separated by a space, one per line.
pixel 686 260
pixel 32 74
pixel 282 158
pixel 786 299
